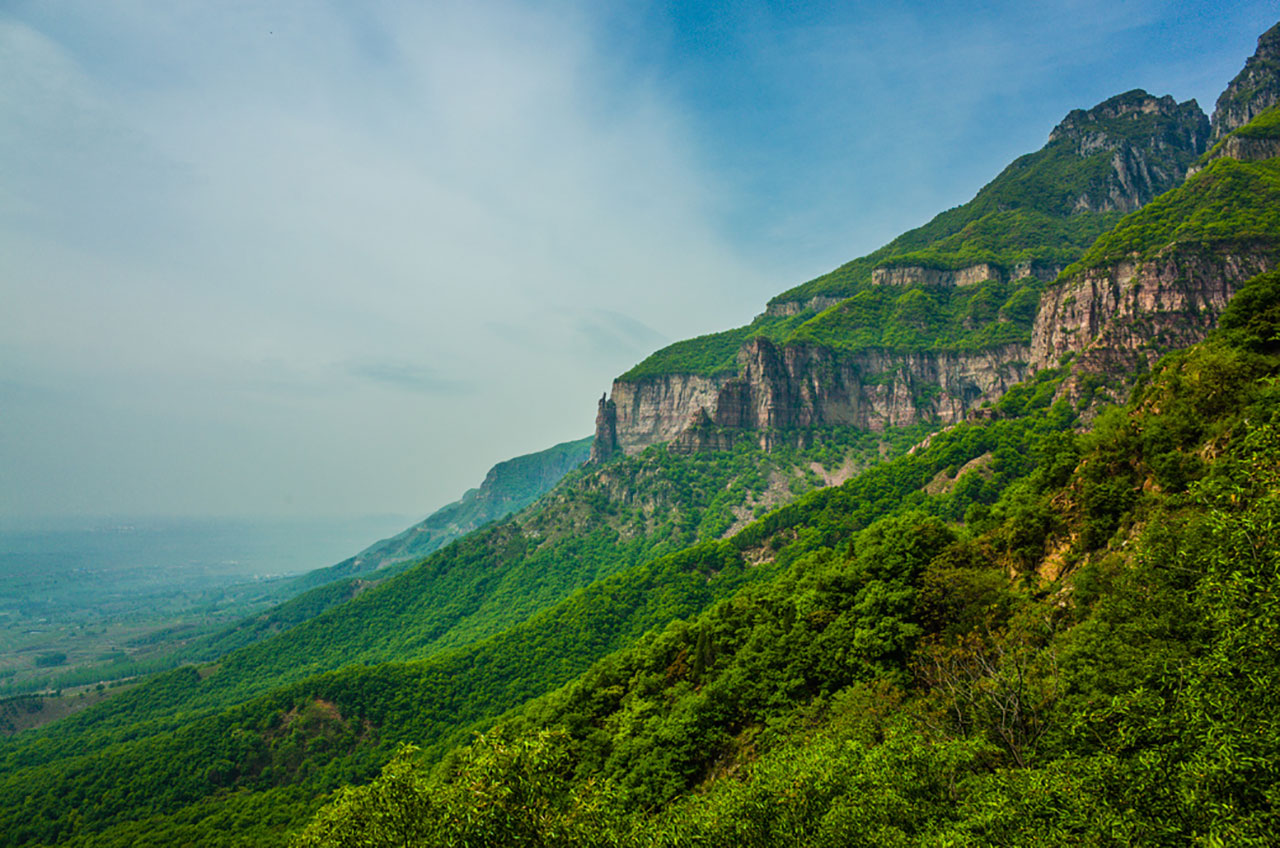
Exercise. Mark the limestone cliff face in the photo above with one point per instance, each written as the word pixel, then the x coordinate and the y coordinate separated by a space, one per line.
pixel 1247 149
pixel 914 275
pixel 794 307
pixel 801 386
pixel 1127 315
pixel 1112 320
pixel 657 409
pixel 1254 89
pixel 911 275
pixel 605 444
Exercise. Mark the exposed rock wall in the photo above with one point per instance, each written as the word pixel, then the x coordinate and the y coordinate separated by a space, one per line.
pixel 810 386
pixel 1127 315
pixel 1247 149
pixel 701 435
pixel 800 386
pixel 915 275
pixel 657 409
pixel 788 308
pixel 1113 320
pixel 605 444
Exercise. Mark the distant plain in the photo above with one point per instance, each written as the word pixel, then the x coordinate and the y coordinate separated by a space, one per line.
pixel 90 600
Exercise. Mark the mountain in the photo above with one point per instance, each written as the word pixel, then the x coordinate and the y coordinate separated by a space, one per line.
pixel 935 323
pixel 509 487
pixel 881 569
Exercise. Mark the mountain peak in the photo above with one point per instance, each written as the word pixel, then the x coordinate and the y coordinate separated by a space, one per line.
pixel 1269 44
pixel 1128 116
pixel 1255 88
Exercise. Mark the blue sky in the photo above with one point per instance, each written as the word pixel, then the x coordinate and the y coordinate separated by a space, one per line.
pixel 331 258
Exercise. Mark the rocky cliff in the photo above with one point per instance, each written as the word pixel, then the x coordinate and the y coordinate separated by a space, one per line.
pixel 654 409
pixel 918 275
pixel 1124 316
pixel 783 387
pixel 1112 320
pixel 805 385
pixel 1245 149
pixel 1254 89
pixel 786 309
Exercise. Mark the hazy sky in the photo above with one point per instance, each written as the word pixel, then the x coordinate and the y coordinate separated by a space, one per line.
pixel 273 258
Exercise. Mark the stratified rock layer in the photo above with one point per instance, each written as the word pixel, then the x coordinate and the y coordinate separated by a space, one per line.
pixel 804 385
pixel 1112 320
pixel 657 409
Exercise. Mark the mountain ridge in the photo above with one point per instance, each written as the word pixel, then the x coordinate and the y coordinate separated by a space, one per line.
pixel 789 369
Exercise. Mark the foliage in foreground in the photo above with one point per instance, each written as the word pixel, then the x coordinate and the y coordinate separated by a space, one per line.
pixel 1093 660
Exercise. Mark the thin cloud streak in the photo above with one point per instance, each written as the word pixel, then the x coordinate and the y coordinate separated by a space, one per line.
pixel 408 376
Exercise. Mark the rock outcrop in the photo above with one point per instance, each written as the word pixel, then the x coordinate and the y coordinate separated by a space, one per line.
pixel 1113 320
pixel 656 409
pixel 605 444
pixel 805 385
pixel 701 435
pixel 787 308
pixel 1254 89
pixel 1245 149
pixel 916 275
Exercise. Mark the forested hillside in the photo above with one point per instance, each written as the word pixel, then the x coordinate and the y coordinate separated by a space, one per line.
pixel 998 608
pixel 1089 660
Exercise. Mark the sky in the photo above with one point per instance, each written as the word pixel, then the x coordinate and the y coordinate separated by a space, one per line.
pixel 330 259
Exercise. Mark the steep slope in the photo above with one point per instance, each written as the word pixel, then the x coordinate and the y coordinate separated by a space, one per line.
pixel 508 487
pixel 934 323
